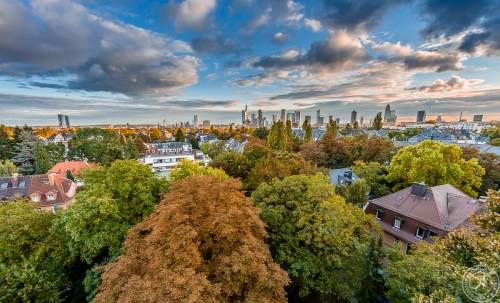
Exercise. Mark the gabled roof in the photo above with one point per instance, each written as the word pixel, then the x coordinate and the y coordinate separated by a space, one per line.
pixel 74 166
pixel 443 207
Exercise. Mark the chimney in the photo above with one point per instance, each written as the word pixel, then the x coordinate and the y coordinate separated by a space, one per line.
pixel 14 180
pixel 418 189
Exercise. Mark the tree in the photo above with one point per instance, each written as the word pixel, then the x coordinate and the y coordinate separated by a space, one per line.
pixel 96 145
pixel 56 153
pixel 277 138
pixel 261 133
pixel 7 168
pixel 375 175
pixel 289 136
pixel 155 134
pixel 113 200
pixel 435 163
pixel 205 243
pixel 213 149
pixel 189 168
pixel 32 260
pixel 377 121
pixel 42 162
pixel 179 135
pixel 6 145
pixel 322 241
pixel 495 142
pixel 24 157
pixel 314 152
pixel 306 126
pixel 355 192
pixel 331 130
pixel 278 165
pixel 255 151
pixel 233 163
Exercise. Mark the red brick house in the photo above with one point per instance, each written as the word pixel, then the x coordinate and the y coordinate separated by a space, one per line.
pixel 420 212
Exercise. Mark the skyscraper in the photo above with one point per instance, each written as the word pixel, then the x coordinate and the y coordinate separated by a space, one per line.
pixel 298 118
pixel 477 118
pixel 244 116
pixel 60 117
pixel 354 116
pixel 275 118
pixel 361 121
pixel 308 119
pixel 66 119
pixel 421 116
pixel 283 115
pixel 254 119
pixel 390 115
pixel 195 121
pixel 260 121
pixel 319 119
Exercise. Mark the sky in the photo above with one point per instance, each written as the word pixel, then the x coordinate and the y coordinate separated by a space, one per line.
pixel 133 61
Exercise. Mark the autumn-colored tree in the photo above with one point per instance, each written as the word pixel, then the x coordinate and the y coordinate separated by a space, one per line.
pixel 278 164
pixel 314 152
pixel 180 136
pixel 155 134
pixel 323 242
pixel 355 193
pixel 491 164
pixel 204 243
pixel 435 163
pixel 377 121
pixel 255 150
pixel 306 126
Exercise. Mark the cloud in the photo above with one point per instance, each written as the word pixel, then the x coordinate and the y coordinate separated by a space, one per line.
pixel 312 24
pixel 192 14
pixel 340 50
pixel 63 39
pixel 215 44
pixel 279 11
pixel 280 37
pixel 202 104
pixel 486 41
pixel 455 83
pixel 356 15
pixel 421 59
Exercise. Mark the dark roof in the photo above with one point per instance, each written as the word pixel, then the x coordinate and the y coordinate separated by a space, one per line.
pixel 443 206
pixel 12 187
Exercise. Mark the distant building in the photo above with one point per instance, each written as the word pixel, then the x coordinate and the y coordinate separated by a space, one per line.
pixel 307 118
pixel 275 118
pixel 421 116
pixel 419 212
pixel 195 121
pixel 354 115
pixel 66 119
pixel 162 157
pixel 361 121
pixel 319 119
pixel 75 167
pixel 283 115
pixel 342 176
pixel 206 123
pixel 298 120
pixel 439 119
pixel 61 120
pixel 477 118
pixel 338 121
pixel 389 115
pixel 260 120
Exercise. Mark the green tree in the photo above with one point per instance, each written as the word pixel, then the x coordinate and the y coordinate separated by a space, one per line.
pixel 495 142
pixel 56 153
pixel 331 130
pixel 277 138
pixel 321 241
pixel 255 152
pixel 7 168
pixel 355 192
pixel 24 157
pixel 306 126
pixel 96 145
pixel 289 135
pixel 375 175
pixel 6 146
pixel 189 168
pixel 435 163
pixel 377 121
pixel 233 163
pixel 260 133
pixel 42 162
pixel 32 260
pixel 180 136
pixel 205 243
pixel 213 149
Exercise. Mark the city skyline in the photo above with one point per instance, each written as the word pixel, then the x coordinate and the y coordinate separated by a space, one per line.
pixel 149 61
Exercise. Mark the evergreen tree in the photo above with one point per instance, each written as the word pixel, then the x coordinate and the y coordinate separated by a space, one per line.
pixel 24 157
pixel 6 146
pixel 7 168
pixel 306 126
pixel 289 134
pixel 277 137
pixel 377 122
pixel 42 162
pixel 331 130
pixel 179 135
pixel 69 175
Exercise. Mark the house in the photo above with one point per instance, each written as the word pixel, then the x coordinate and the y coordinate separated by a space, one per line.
pixel 50 191
pixel 235 145
pixel 342 176
pixel 57 138
pixel 420 212
pixel 75 167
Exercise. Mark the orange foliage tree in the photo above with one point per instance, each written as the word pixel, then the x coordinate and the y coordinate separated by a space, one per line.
pixel 204 243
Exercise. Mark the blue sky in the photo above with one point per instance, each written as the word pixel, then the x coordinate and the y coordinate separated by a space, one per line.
pixel 148 61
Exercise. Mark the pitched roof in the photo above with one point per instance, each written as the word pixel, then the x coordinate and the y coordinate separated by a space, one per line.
pixel 74 166
pixel 443 206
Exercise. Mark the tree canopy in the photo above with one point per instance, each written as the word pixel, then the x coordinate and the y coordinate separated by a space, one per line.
pixel 7 168
pixel 189 168
pixel 322 241
pixel 435 163
pixel 204 243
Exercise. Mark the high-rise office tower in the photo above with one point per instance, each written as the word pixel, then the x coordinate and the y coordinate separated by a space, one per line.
pixel 275 118
pixel 283 115
pixel 254 119
pixel 361 121
pixel 66 119
pixel 354 116
pixel 298 119
pixel 319 119
pixel 60 117
pixel 260 121
pixel 421 116
pixel 477 118
pixel 244 116
pixel 195 121
pixel 338 121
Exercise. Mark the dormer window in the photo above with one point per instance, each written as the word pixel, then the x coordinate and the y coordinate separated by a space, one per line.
pixel 22 184
pixel 398 222
pixel 51 197
pixel 420 233
pixel 379 214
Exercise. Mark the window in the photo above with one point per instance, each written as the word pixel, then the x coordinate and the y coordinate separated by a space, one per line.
pixel 22 184
pixel 4 185
pixel 378 214
pixel 398 222
pixel 51 197
pixel 420 233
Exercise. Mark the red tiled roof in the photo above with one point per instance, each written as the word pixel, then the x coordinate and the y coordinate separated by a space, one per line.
pixel 443 207
pixel 74 166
